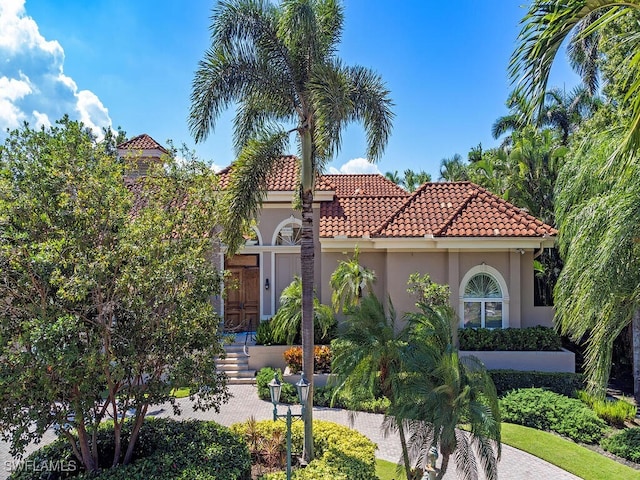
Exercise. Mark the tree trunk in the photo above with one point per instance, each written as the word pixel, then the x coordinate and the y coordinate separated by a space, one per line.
pixel 307 177
pixel 443 466
pixel 140 414
pixel 89 462
pixel 405 451
pixel 306 264
pixel 636 355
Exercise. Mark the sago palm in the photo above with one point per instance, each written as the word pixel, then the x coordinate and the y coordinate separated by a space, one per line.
pixel 443 392
pixel 368 354
pixel 277 64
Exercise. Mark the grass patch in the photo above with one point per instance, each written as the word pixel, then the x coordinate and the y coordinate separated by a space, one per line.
pixel 182 392
pixel 565 454
pixel 386 470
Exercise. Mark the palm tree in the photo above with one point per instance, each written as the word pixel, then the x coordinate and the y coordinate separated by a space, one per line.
pixel 393 177
pixel 287 320
pixel 368 354
pixel 546 25
pixel 453 169
pixel 277 63
pixel 442 392
pixel 348 282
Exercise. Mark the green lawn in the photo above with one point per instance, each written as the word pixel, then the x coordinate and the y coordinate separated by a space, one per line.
pixel 386 470
pixel 181 392
pixel 565 454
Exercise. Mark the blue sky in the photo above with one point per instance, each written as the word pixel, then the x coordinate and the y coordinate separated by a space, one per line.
pixel 130 63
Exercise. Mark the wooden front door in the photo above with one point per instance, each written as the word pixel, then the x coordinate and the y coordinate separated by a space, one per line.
pixel 242 302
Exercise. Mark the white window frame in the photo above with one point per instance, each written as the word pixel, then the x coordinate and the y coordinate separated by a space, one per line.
pixel 497 276
pixel 282 224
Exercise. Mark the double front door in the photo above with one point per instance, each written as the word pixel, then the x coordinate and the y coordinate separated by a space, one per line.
pixel 242 302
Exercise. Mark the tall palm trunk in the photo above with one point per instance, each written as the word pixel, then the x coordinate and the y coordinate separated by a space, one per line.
pixel 635 331
pixel 306 265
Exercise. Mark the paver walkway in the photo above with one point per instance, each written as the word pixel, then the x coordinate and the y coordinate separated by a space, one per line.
pixel 514 465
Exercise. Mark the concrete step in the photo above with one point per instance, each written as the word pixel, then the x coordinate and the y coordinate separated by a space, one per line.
pixel 233 360
pixel 241 381
pixel 240 373
pixel 234 369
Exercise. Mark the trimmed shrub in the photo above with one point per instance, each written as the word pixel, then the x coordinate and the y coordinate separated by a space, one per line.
pixel 264 334
pixel 340 453
pixel 509 339
pixel 614 412
pixel 625 444
pixel 545 410
pixel 293 359
pixel 166 449
pixel 563 383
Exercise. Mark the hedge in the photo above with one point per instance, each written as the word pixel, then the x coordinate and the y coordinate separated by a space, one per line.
pixel 166 449
pixel 564 383
pixel 545 410
pixel 340 453
pixel 509 339
pixel 625 444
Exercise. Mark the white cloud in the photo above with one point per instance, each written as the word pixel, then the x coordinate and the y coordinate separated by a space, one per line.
pixel 33 86
pixel 356 165
pixel 42 120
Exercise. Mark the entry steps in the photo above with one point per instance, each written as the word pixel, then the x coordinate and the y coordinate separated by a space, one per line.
pixel 236 365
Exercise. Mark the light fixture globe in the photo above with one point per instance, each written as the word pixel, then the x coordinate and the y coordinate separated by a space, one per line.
pixel 275 387
pixel 303 390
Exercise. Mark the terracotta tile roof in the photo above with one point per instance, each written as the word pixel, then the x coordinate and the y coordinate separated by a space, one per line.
pixel 349 185
pixel 356 216
pixel 142 142
pixel 285 176
pixel 460 209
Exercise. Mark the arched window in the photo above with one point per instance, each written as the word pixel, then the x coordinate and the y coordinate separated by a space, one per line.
pixel 484 302
pixel 289 233
pixel 253 237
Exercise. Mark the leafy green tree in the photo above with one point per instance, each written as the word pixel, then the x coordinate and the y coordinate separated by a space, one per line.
pixel 105 289
pixel 287 320
pixel 368 354
pixel 443 392
pixel 348 282
pixel 278 64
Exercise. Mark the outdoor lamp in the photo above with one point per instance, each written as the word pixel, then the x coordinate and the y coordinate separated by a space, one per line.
pixel 275 387
pixel 303 390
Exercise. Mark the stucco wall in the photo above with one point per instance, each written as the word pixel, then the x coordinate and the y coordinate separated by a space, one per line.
pixel 532 315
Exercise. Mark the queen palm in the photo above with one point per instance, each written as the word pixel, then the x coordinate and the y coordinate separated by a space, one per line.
pixel 546 25
pixel 441 392
pixel 277 64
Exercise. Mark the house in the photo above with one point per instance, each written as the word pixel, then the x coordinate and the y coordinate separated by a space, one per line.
pixel 459 233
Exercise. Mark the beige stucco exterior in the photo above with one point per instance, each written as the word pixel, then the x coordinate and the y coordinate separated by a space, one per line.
pixel 393 260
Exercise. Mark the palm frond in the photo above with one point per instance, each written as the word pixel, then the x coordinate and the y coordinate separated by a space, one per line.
pixel 247 188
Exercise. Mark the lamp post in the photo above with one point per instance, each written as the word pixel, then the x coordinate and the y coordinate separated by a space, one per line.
pixel 275 388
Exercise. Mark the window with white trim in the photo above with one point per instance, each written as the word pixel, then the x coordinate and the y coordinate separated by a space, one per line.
pixel 289 234
pixel 483 302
